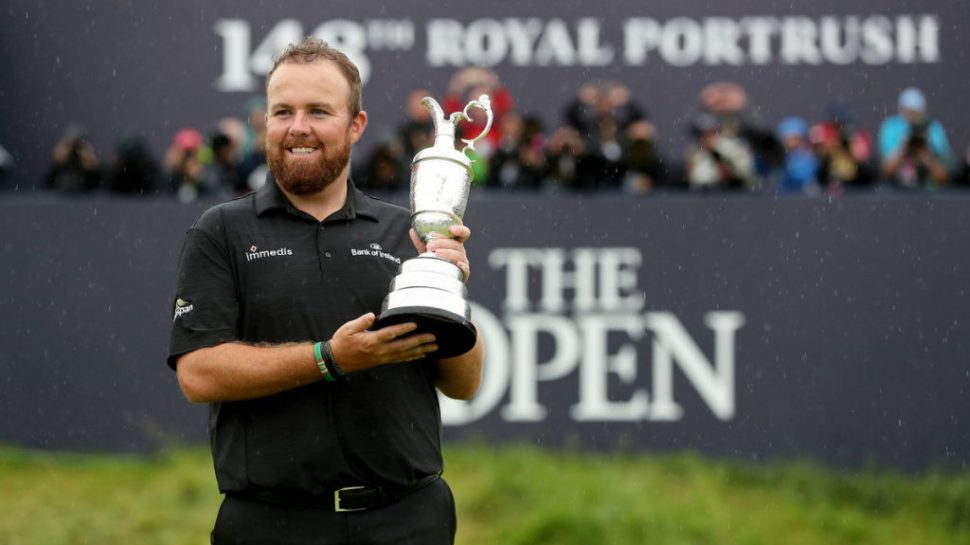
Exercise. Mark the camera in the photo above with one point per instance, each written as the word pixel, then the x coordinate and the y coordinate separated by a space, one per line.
pixel 917 136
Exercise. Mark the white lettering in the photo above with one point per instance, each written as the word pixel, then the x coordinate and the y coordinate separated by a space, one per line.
pixel 714 383
pixel 516 263
pixel 235 56
pixel 495 379
pixel 917 42
pixel 682 42
pixel 527 371
pixel 640 36
pixel 834 49
pixel 591 51
pixel 594 402
pixel 555 46
pixel 444 37
pixel 485 43
pixel 555 280
pixel 721 41
pixel 877 40
pixel 760 31
pixel 522 38
pixel 799 41
pixel 351 38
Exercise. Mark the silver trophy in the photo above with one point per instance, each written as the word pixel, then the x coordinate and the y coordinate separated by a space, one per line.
pixel 428 290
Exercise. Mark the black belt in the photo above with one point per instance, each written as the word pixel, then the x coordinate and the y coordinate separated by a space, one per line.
pixel 348 498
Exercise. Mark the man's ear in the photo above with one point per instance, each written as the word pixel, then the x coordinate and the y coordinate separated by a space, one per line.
pixel 357 126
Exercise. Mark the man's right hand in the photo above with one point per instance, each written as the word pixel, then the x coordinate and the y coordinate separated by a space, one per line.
pixel 356 348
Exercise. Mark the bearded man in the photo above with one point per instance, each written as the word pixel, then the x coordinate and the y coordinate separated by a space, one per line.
pixel 322 430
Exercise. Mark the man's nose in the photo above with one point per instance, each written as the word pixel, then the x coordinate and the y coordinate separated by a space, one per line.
pixel 300 123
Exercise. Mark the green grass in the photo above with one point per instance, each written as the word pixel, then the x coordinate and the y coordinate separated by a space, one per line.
pixel 512 496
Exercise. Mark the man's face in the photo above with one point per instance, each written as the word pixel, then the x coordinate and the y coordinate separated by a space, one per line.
pixel 309 129
pixel 915 117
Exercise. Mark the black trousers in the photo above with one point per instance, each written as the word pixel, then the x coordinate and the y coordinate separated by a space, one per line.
pixel 424 517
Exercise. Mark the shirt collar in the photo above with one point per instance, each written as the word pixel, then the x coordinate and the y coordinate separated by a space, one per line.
pixel 269 197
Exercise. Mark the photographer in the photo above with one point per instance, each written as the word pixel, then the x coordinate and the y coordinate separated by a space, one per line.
pixel 75 167
pixel 185 171
pixel 914 149
pixel 717 160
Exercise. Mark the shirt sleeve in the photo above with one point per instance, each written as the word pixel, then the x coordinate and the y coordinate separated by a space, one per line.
pixel 891 136
pixel 938 141
pixel 206 305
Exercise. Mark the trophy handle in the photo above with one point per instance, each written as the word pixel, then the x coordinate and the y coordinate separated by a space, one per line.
pixel 484 104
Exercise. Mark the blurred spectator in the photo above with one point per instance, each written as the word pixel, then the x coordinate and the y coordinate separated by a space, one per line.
pixel 520 160
pixel 570 167
pixel 388 167
pixel 914 149
pixel 384 169
pixel 729 104
pixel 468 84
pixel 602 113
pixel 235 130
pixel 185 170
pixel 799 166
pixel 717 160
pixel 417 131
pixel 254 130
pixel 75 167
pixel 641 158
pixel 252 162
pixel 134 171
pixel 844 151
pixel 221 177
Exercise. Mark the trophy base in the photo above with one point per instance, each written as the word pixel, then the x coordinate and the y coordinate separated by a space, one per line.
pixel 454 334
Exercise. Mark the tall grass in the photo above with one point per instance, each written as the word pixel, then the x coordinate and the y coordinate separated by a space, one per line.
pixel 512 496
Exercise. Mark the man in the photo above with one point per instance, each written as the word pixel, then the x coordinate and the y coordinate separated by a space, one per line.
pixel 915 151
pixel 334 441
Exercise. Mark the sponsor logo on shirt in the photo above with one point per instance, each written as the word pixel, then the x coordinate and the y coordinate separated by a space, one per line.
pixel 375 250
pixel 181 307
pixel 255 253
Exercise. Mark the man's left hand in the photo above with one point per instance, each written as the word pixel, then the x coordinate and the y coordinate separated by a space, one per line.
pixel 450 249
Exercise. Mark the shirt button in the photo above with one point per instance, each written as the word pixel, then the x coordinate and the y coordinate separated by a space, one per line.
pixel 327 255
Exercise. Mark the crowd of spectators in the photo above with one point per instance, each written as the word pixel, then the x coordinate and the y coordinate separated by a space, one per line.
pixel 606 141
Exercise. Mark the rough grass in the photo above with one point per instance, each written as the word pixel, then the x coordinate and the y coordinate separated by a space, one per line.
pixel 512 496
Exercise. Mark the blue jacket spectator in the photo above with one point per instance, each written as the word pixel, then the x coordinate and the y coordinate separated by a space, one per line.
pixel 914 148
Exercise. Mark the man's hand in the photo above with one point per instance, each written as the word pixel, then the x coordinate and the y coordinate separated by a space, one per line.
pixel 355 348
pixel 450 249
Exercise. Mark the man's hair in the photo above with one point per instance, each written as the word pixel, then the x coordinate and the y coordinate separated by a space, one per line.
pixel 315 50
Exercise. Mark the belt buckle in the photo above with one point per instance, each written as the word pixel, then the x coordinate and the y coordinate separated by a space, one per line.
pixel 336 499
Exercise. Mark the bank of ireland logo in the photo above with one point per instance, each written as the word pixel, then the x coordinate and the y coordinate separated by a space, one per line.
pixel 375 250
pixel 182 307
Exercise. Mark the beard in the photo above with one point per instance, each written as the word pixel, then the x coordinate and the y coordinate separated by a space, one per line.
pixel 307 176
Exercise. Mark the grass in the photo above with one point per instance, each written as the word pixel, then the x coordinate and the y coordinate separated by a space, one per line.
pixel 512 496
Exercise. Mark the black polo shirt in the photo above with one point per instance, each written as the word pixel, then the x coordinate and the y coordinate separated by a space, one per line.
pixel 257 270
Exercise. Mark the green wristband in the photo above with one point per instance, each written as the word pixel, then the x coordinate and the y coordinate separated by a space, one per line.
pixel 322 363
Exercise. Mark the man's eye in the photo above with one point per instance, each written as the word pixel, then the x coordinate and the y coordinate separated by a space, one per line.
pixel 281 113
pixel 318 112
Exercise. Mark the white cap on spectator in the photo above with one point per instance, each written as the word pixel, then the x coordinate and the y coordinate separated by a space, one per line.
pixel 912 99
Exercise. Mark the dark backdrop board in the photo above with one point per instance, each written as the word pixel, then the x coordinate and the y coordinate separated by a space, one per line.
pixel 750 328
pixel 153 68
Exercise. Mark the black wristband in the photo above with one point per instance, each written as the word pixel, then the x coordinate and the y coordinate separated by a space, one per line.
pixel 331 362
